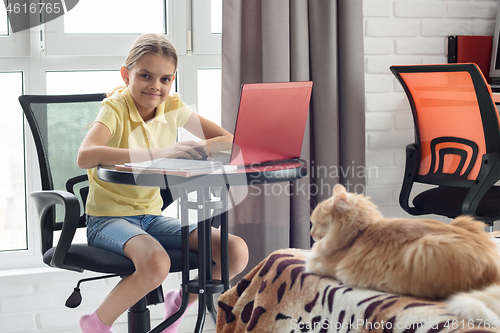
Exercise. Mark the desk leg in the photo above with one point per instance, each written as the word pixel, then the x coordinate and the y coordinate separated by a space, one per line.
pixel 205 286
pixel 224 239
pixel 208 262
pixel 202 260
pixel 185 251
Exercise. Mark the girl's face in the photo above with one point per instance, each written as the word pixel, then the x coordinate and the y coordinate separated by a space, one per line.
pixel 149 82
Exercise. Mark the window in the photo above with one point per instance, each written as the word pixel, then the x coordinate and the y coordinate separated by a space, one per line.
pixel 82 82
pixel 68 55
pixel 97 27
pixel 148 16
pixel 12 44
pixel 207 28
pixel 209 93
pixel 4 25
pixel 86 82
pixel 216 16
pixel 13 234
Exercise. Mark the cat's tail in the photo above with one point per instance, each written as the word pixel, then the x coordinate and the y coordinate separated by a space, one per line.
pixel 468 223
pixel 482 306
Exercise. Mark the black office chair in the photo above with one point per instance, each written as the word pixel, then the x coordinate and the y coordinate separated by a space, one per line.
pixel 59 124
pixel 457 142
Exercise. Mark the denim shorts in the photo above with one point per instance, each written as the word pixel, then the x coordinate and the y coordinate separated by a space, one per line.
pixel 112 232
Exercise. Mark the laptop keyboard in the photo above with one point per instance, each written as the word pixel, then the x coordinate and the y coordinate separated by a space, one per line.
pixel 292 160
pixel 222 159
pixel 225 160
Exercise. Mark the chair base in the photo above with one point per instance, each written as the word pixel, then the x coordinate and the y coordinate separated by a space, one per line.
pixel 139 318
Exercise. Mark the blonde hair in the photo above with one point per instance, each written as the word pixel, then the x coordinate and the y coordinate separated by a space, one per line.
pixel 148 43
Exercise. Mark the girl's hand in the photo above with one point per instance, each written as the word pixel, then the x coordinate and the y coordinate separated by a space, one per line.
pixel 193 150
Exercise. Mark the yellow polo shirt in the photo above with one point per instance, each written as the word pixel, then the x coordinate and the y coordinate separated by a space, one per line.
pixel 119 114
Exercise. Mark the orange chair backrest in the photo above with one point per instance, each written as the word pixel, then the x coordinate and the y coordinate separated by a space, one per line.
pixel 446 105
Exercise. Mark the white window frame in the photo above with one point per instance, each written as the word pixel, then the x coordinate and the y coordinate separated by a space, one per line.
pixel 75 53
pixel 30 257
pixel 15 45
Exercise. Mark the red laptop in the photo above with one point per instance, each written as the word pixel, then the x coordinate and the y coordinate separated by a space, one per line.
pixel 271 122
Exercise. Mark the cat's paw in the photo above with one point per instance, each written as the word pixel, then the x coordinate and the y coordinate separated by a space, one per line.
pixel 312 266
pixel 464 306
pixel 308 268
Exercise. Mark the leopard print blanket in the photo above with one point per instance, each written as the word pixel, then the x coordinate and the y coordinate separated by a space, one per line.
pixel 279 296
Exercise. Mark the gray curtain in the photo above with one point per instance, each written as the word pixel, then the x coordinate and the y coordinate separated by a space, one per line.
pixel 298 40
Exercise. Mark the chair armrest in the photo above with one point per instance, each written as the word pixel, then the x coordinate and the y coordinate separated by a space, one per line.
pixel 411 170
pixel 488 175
pixel 44 200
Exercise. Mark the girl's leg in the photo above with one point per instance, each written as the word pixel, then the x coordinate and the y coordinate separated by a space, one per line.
pixel 168 232
pixel 152 265
pixel 238 253
pixel 238 259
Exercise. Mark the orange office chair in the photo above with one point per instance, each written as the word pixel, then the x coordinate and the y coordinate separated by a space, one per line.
pixel 457 142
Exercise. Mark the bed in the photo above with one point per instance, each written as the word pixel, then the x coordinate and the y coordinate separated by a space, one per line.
pixel 279 296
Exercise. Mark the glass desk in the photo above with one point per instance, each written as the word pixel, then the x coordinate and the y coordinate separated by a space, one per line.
pixel 206 206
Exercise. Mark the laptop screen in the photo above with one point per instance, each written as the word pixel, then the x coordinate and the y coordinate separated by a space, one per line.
pixel 271 122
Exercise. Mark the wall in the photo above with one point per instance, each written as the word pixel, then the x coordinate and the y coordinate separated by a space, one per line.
pixel 406 32
pixel 396 32
pixel 33 301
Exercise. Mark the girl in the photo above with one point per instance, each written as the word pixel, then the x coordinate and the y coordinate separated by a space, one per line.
pixel 137 123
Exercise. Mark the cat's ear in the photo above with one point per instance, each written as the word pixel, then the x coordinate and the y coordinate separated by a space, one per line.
pixel 338 189
pixel 340 202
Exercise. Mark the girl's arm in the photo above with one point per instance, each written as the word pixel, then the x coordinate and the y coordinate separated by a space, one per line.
pixel 215 137
pixel 94 150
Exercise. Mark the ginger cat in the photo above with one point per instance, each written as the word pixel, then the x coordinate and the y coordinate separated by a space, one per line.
pixel 356 245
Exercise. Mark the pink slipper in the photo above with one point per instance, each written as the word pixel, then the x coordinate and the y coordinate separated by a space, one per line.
pixel 173 301
pixel 92 324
